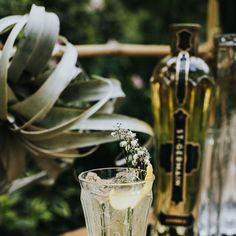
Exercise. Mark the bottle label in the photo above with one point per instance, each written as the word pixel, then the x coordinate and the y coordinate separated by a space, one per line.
pixel 179 159
pixel 176 220
pixel 182 73
pixel 179 155
pixel 184 40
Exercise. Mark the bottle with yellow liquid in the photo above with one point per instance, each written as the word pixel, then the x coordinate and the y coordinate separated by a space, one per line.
pixel 182 90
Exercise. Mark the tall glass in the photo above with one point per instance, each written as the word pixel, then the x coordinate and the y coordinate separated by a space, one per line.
pixel 218 211
pixel 215 152
pixel 116 207
pixel 226 79
pixel 218 207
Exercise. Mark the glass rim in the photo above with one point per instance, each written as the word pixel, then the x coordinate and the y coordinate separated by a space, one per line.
pixel 82 179
pixel 225 40
pixel 190 26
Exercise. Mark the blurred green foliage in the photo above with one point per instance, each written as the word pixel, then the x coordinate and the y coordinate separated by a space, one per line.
pixel 42 210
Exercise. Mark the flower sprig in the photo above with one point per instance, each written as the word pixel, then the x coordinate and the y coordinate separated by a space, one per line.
pixel 136 156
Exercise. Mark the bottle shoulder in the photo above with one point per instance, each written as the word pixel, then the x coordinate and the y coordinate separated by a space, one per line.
pixel 167 68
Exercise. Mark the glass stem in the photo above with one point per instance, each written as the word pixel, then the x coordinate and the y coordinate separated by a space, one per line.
pixel 129 219
pixel 103 223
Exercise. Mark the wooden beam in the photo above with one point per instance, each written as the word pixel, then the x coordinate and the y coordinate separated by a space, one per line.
pixel 117 49
pixel 131 50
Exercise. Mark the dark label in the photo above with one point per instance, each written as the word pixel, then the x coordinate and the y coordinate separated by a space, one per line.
pixel 182 74
pixel 179 153
pixel 174 220
pixel 179 159
pixel 184 40
pixel 192 157
pixel 165 156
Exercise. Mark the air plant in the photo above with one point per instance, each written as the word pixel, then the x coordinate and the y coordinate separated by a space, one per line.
pixel 48 110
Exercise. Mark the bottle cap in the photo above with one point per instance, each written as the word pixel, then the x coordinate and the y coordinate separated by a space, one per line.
pixel 185 37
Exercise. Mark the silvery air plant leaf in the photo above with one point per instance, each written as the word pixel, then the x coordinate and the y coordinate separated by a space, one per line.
pixel 47 110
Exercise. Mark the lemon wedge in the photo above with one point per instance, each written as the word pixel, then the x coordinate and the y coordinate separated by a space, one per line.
pixel 122 200
pixel 148 178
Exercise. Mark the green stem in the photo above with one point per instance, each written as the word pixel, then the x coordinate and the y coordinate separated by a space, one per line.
pixel 129 220
pixel 103 223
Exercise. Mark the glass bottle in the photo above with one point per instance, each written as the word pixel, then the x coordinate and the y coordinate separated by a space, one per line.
pixel 222 200
pixel 181 91
pixel 226 78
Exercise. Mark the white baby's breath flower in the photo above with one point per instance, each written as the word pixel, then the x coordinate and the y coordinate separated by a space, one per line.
pixel 134 162
pixel 123 144
pixel 140 153
pixel 135 155
pixel 130 133
pixel 130 157
pixel 144 149
pixel 134 142
pixel 133 135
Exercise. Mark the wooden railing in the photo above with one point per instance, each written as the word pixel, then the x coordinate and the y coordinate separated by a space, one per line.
pixel 136 50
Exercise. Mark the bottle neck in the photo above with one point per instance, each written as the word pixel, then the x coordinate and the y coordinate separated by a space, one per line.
pixel 184 40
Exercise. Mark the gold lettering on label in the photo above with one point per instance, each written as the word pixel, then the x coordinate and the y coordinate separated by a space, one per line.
pixel 177 182
pixel 180 137
pixel 179 146
pixel 179 158
pixel 178 165
pixel 179 153
pixel 179 131
pixel 176 221
pixel 178 174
